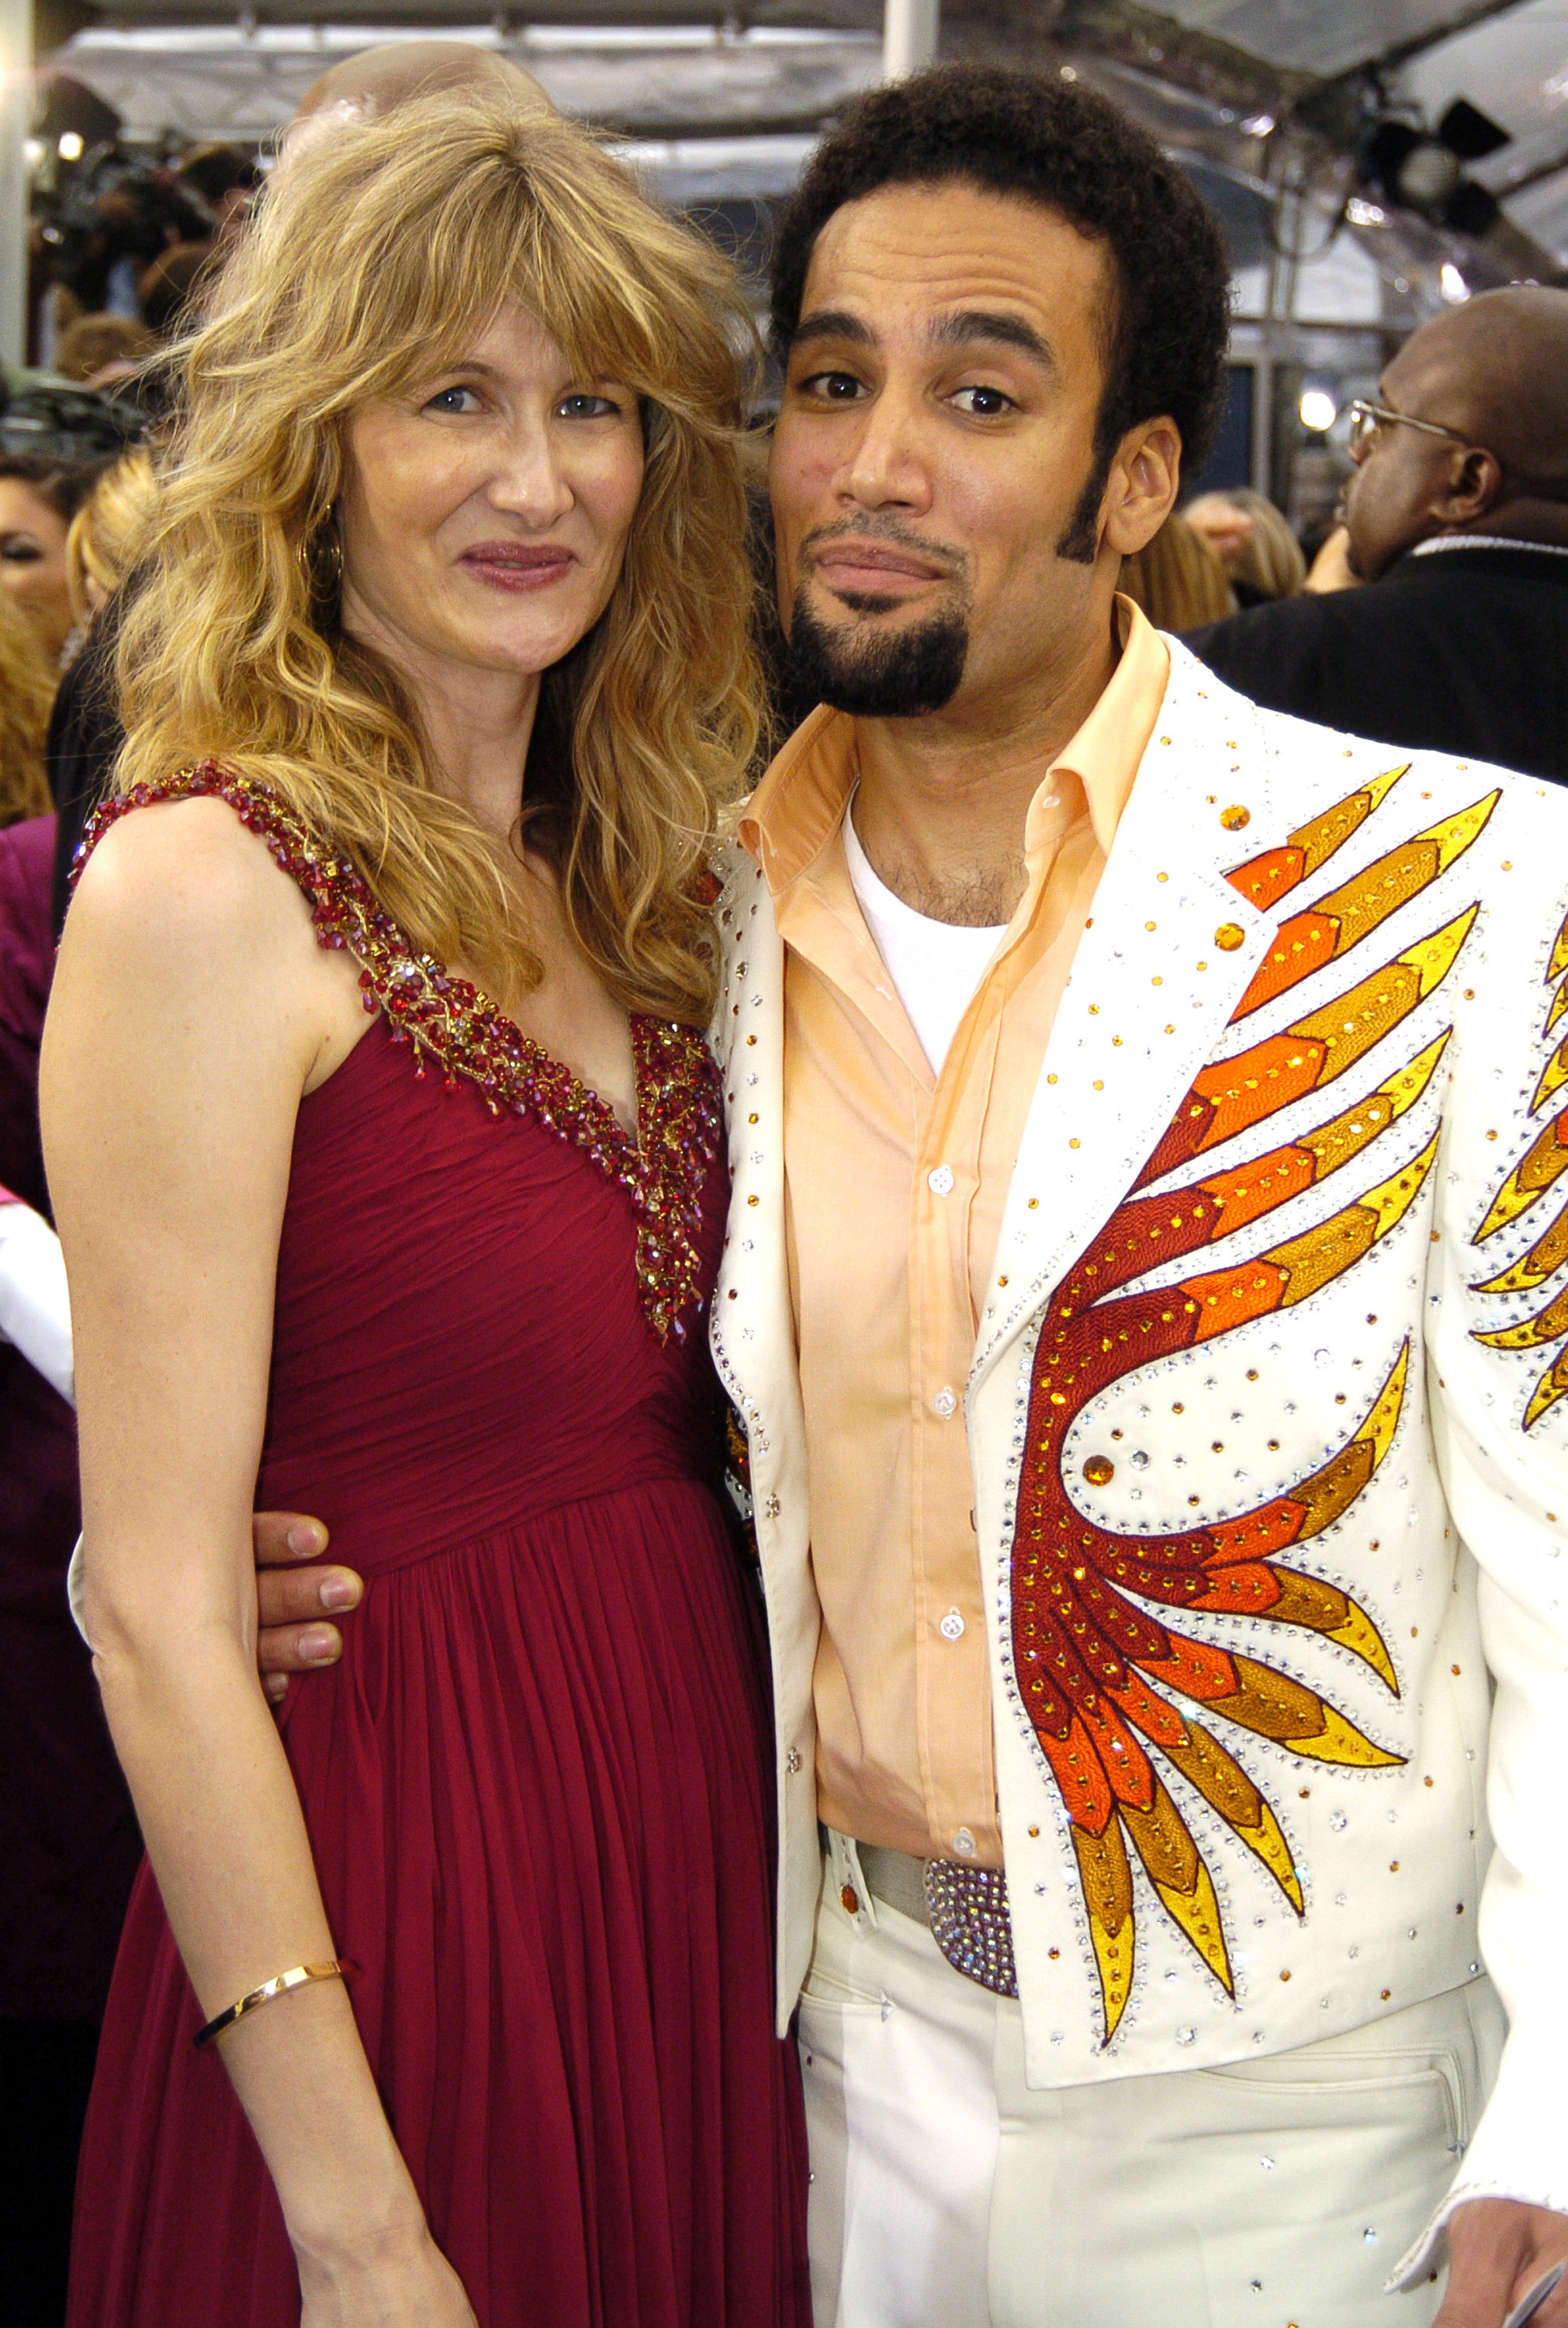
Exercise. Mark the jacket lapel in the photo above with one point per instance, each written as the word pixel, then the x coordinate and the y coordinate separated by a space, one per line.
pixel 1167 956
pixel 752 1331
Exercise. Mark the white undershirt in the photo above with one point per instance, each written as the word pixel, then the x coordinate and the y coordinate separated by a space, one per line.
pixel 936 967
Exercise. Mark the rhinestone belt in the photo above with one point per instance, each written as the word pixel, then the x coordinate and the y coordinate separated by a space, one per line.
pixel 964 1908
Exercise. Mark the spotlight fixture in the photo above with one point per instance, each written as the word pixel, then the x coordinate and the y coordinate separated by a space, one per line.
pixel 1319 410
pixel 1424 170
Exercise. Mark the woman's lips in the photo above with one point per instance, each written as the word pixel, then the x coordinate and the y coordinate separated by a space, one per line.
pixel 517 565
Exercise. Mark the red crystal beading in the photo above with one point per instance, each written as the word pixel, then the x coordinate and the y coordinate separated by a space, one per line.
pixel 680 1122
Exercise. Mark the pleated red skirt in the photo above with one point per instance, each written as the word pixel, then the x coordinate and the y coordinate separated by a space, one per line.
pixel 535 1788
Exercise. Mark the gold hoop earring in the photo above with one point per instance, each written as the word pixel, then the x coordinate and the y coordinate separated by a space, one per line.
pixel 321 563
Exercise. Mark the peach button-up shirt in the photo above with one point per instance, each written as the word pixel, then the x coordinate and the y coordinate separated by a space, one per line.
pixel 895 1180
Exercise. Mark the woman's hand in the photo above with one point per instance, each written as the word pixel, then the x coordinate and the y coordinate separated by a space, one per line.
pixel 397 2280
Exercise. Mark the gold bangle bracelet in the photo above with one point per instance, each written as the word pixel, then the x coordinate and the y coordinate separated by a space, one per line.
pixel 297 1976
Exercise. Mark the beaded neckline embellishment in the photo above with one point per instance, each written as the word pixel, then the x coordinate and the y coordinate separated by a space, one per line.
pixel 451 1023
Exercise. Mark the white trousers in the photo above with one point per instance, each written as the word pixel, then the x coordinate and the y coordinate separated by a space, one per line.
pixel 1275 2194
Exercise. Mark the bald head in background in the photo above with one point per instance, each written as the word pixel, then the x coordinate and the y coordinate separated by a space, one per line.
pixel 1460 528
pixel 1495 371
pixel 377 81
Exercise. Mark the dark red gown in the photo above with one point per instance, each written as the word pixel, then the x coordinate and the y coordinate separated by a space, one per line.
pixel 535 1785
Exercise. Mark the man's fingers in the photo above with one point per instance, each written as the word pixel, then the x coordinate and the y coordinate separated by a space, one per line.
pixel 1476 2299
pixel 284 1649
pixel 1498 2250
pixel 283 1536
pixel 293 1596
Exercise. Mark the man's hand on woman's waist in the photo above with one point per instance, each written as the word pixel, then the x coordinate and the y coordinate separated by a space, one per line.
pixel 292 1596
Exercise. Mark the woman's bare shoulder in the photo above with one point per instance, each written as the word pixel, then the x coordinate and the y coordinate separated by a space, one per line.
pixel 185 880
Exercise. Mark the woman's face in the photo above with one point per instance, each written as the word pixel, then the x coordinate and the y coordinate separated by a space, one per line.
pixel 32 562
pixel 484 516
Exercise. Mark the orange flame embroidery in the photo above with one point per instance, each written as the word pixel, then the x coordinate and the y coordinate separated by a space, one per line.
pixel 1536 1173
pixel 1098 1674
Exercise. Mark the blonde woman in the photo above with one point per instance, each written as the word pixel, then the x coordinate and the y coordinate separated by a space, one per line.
pixel 1253 541
pixel 101 545
pixel 39 496
pixel 1176 579
pixel 26 697
pixel 385 1145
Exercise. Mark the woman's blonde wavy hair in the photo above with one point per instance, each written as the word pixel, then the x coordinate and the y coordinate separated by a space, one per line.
pixel 378 257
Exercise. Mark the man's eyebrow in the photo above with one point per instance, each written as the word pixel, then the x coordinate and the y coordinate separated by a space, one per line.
pixel 832 324
pixel 967 324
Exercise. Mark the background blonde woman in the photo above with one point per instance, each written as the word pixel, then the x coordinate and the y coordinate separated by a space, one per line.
pixel 1253 541
pixel 39 496
pixel 26 694
pixel 105 533
pixel 438 673
pixel 1176 579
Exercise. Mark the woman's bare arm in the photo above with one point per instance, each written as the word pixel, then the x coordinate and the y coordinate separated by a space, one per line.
pixel 192 1007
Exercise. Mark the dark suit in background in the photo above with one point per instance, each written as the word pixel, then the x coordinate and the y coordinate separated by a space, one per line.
pixel 1452 649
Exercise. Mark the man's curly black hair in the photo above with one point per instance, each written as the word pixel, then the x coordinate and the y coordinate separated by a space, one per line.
pixel 1022 134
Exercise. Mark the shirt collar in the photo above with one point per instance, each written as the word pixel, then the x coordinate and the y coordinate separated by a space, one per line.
pixel 798 807
pixel 1435 541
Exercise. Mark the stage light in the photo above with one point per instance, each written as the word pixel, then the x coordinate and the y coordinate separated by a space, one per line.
pixel 70 145
pixel 1319 410
pixel 1425 170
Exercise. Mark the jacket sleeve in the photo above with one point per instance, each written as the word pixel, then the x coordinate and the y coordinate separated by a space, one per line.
pixel 1498 1299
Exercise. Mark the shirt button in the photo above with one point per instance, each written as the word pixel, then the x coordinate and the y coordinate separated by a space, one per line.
pixel 963 1843
pixel 945 1402
pixel 952 1627
pixel 940 1182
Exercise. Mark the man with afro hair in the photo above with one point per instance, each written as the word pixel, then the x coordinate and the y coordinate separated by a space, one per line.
pixel 1141 1106
pixel 1128 1632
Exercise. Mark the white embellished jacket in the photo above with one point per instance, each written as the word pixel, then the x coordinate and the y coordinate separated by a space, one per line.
pixel 1268 1420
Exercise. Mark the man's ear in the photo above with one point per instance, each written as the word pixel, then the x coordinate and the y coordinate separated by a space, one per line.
pixel 1473 488
pixel 1141 491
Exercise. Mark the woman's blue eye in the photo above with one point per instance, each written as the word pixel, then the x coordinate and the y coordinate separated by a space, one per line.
pixel 585 408
pixel 451 399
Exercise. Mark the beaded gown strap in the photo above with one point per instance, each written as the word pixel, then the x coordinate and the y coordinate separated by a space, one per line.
pixel 450 1023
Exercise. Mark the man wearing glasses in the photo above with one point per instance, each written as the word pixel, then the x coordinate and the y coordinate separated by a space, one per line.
pixel 1458 513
